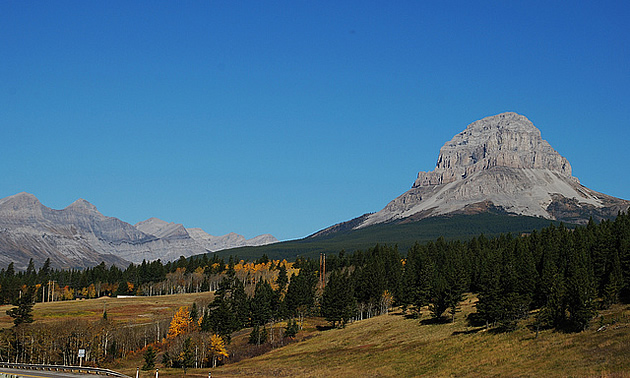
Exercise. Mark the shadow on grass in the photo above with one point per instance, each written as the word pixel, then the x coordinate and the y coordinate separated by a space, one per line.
pixel 441 320
pixel 325 327
pixel 469 332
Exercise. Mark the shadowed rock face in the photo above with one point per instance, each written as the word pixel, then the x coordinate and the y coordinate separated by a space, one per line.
pixel 500 161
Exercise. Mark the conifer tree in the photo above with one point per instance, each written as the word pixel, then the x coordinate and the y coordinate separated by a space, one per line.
pixel 338 300
pixel 186 358
pixel 291 329
pixel 23 312
pixel 149 359
pixel 580 291
pixel 263 303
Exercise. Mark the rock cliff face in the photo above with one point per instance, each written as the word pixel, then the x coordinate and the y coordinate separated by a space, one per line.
pixel 80 236
pixel 500 161
pixel 505 140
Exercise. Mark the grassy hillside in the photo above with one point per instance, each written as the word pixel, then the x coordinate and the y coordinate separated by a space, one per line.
pixel 403 234
pixel 393 345
pixel 389 345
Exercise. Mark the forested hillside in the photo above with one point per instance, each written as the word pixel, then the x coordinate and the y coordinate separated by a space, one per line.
pixel 561 277
pixel 404 234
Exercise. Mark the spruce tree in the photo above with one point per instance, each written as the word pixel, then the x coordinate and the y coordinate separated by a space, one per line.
pixel 149 359
pixel 23 312
pixel 338 300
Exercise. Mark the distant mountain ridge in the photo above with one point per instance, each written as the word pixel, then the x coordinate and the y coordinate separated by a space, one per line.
pixel 80 236
pixel 499 162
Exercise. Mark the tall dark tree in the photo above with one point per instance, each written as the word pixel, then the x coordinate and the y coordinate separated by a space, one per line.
pixel 581 291
pixel 338 300
pixel 149 358
pixel 263 303
pixel 23 311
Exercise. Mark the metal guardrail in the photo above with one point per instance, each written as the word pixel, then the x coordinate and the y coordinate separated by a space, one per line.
pixel 75 369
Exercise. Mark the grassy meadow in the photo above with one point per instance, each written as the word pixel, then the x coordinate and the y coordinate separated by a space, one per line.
pixel 138 310
pixel 388 345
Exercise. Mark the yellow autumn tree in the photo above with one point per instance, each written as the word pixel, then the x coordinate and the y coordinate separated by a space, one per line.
pixel 181 324
pixel 217 349
pixel 386 302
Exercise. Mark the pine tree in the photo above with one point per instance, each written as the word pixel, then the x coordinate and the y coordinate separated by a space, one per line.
pixel 186 358
pixel 554 312
pixel 149 359
pixel 263 303
pixel 439 297
pixel 23 312
pixel 291 329
pixel 338 299
pixel 220 320
pixel 194 313
pixel 254 336
pixel 282 279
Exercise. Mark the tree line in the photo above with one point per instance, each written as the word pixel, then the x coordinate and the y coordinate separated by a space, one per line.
pixel 186 275
pixel 561 275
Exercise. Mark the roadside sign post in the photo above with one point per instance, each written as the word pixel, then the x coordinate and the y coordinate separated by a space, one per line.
pixel 81 356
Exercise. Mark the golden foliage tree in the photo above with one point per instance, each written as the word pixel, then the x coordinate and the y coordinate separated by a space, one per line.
pixel 217 349
pixel 386 302
pixel 181 324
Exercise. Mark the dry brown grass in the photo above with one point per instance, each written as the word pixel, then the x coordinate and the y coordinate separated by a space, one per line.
pixel 136 309
pixel 394 345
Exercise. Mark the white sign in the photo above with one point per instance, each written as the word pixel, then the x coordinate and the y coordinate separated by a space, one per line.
pixel 81 353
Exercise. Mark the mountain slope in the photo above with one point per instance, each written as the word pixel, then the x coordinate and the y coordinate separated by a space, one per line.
pixel 502 161
pixel 496 176
pixel 80 236
pixel 29 229
pixel 400 346
pixel 403 234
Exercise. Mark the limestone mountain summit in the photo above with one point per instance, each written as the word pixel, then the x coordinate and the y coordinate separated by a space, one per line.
pixel 500 163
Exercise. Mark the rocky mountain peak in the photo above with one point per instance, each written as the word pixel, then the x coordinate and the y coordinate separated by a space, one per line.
pixel 499 162
pixel 504 140
pixel 82 206
pixel 162 229
pixel 21 200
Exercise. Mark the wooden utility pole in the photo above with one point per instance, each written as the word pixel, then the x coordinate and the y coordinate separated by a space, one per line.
pixel 324 273
pixel 322 270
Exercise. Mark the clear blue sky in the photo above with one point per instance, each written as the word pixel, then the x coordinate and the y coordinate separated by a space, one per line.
pixel 285 117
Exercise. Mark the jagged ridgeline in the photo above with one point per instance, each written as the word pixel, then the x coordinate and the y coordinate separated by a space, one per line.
pixel 79 236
